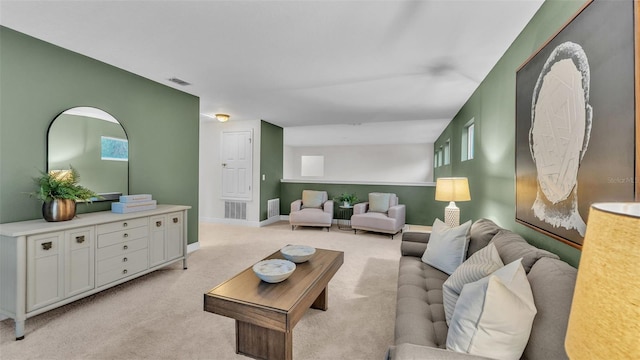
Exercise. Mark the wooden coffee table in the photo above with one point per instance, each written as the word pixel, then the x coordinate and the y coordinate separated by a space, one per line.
pixel 266 313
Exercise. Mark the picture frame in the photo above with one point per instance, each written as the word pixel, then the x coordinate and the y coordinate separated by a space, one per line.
pixel 577 123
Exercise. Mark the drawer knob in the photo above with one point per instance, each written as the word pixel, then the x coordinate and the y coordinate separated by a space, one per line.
pixel 125 235
pixel 125 224
pixel 175 220
pixel 158 223
pixel 125 247
pixel 47 245
pixel 125 260
pixel 124 271
pixel 80 239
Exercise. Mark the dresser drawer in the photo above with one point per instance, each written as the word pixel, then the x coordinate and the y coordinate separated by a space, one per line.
pixel 119 267
pixel 118 237
pixel 122 248
pixel 122 225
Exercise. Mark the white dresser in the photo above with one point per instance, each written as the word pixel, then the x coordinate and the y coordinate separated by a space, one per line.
pixel 44 265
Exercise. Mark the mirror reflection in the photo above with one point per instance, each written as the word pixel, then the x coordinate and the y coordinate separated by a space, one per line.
pixel 95 144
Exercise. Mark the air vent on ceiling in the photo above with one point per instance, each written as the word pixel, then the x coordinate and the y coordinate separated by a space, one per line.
pixel 179 81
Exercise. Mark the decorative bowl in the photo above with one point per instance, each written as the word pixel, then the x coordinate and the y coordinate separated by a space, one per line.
pixel 274 270
pixel 298 253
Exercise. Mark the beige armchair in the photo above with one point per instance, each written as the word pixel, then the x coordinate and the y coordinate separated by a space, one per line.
pixel 381 213
pixel 314 209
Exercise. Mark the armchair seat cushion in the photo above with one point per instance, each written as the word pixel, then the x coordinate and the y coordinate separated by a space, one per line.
pixel 311 217
pixel 375 221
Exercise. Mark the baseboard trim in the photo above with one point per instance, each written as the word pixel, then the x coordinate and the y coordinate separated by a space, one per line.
pixel 273 220
pixel 193 247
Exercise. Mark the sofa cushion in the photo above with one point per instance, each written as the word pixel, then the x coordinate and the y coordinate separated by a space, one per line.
pixel 482 231
pixel 379 202
pixel 447 247
pixel 479 265
pixel 312 198
pixel 552 283
pixel 493 315
pixel 512 246
pixel 419 310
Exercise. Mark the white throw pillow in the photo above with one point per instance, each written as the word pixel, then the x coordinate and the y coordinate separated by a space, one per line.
pixel 494 315
pixel 447 247
pixel 481 264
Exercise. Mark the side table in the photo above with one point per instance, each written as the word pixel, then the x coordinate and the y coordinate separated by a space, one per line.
pixel 344 217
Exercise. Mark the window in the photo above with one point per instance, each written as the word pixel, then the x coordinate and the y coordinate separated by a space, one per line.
pixel 447 152
pixel 114 149
pixel 468 140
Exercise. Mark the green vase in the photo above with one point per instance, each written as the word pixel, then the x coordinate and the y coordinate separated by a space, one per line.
pixel 59 210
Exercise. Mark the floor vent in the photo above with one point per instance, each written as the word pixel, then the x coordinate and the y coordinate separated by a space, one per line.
pixel 235 210
pixel 273 208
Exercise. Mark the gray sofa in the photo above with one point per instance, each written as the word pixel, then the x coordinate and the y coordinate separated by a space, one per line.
pixel 421 329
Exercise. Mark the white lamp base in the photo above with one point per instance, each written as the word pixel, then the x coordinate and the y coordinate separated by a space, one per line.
pixel 452 215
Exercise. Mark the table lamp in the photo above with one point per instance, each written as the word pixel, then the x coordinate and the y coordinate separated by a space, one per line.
pixel 605 314
pixel 452 189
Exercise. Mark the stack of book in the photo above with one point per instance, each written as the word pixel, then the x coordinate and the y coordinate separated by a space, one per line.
pixel 132 203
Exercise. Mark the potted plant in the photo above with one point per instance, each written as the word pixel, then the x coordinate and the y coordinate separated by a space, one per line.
pixel 59 191
pixel 347 199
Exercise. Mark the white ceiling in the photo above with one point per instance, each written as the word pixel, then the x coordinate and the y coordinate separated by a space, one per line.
pixel 383 64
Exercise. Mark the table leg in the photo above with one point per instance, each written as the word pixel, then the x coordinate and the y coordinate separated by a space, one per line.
pixel 322 301
pixel 262 343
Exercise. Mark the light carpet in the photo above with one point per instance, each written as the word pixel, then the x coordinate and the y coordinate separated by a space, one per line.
pixel 160 315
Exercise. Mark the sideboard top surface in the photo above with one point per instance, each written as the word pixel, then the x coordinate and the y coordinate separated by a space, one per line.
pixel 32 227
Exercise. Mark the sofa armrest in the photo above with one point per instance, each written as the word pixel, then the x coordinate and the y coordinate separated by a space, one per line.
pixel 296 205
pixel 328 207
pixel 360 208
pixel 418 352
pixel 414 243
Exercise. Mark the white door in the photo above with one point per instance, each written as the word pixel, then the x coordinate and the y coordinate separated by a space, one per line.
pixel 236 165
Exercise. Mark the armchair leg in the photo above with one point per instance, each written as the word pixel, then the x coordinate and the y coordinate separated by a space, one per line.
pixel 292 227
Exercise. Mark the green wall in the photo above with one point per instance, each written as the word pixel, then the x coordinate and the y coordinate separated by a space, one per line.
pixel 492 172
pixel 271 164
pixel 421 207
pixel 40 80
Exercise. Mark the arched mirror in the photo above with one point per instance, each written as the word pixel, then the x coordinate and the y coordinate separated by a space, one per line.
pixel 95 144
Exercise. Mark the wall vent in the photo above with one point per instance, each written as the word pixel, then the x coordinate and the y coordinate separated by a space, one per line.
pixel 273 208
pixel 179 81
pixel 235 210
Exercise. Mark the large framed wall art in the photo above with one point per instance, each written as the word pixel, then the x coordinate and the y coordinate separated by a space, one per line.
pixel 577 121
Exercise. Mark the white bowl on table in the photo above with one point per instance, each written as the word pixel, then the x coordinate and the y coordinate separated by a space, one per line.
pixel 274 270
pixel 298 253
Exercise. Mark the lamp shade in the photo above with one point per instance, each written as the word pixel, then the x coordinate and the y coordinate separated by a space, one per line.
pixel 605 313
pixel 452 189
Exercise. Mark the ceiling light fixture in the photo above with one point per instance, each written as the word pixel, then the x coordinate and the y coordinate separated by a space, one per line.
pixel 222 117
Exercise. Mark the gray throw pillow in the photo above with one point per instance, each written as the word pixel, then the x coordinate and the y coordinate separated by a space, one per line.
pixel 479 265
pixel 447 246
